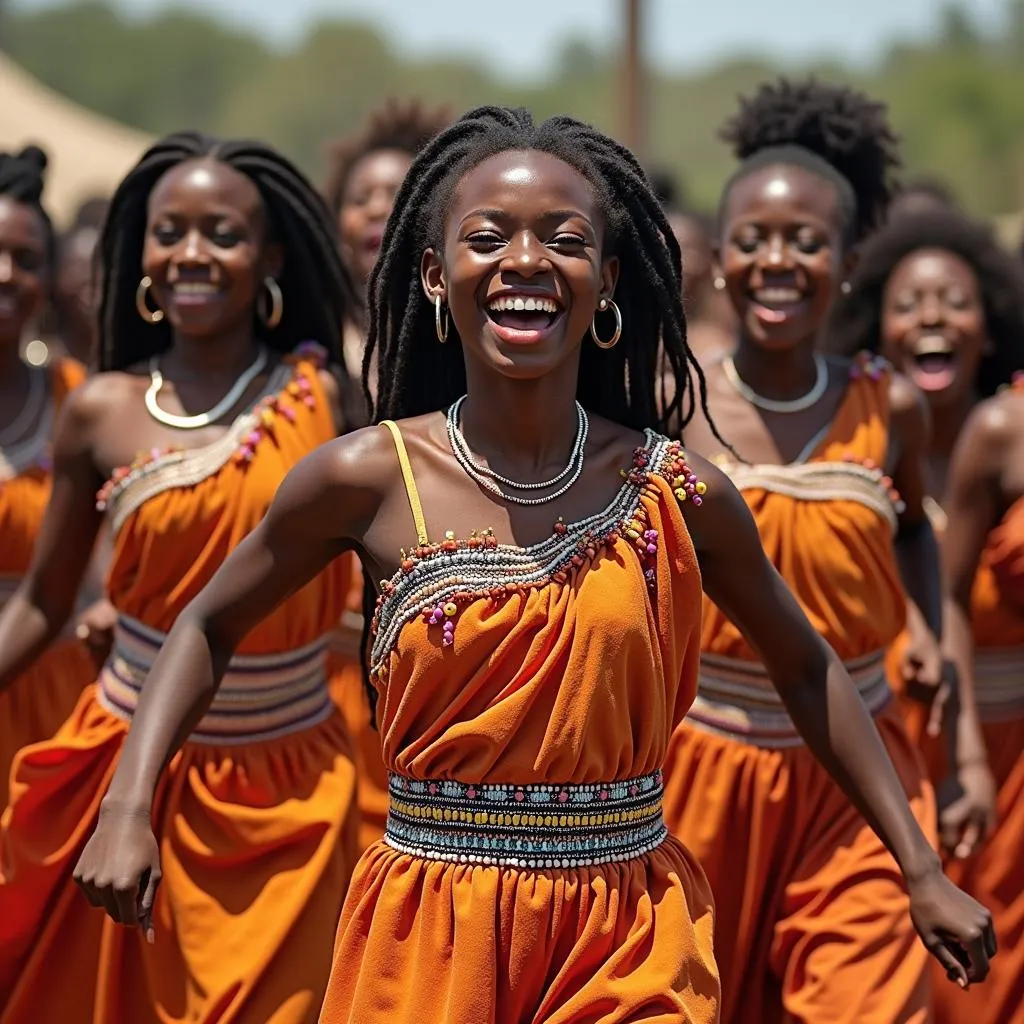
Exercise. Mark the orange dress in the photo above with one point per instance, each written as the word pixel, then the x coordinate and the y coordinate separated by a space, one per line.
pixel 348 691
pixel 253 815
pixel 38 701
pixel 526 697
pixel 811 911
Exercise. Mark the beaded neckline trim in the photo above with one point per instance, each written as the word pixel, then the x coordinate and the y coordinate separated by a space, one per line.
pixel 436 580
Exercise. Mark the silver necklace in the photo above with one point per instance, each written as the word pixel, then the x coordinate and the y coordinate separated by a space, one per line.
pixel 203 419
pixel 489 479
pixel 774 404
pixel 29 411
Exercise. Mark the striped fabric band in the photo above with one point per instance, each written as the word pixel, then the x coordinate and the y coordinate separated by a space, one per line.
pixel 261 697
pixel 736 699
pixel 999 683
pixel 536 827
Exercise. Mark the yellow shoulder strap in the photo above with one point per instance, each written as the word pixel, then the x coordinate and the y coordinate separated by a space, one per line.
pixel 410 482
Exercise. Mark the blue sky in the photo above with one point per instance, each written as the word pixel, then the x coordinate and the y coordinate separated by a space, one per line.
pixel 522 38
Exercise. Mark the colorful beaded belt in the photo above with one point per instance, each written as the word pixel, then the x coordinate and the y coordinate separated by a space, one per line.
pixel 531 826
pixel 738 700
pixel 261 697
pixel 998 687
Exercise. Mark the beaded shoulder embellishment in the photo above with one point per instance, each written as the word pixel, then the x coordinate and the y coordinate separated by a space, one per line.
pixel 288 388
pixel 435 581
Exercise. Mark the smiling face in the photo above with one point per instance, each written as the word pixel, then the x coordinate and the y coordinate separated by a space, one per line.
pixel 522 269
pixel 366 204
pixel 22 268
pixel 782 253
pixel 205 247
pixel 933 323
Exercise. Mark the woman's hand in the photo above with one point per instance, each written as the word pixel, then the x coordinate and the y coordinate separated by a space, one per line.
pixel 929 678
pixel 956 929
pixel 95 629
pixel 119 869
pixel 967 809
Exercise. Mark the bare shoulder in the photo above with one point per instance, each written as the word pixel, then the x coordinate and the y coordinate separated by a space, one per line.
pixel 722 515
pixel 98 399
pixel 997 420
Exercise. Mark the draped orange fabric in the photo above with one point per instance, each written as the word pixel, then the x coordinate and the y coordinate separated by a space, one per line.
pixel 812 921
pixel 995 876
pixel 564 667
pixel 254 815
pixel 348 691
pixel 36 703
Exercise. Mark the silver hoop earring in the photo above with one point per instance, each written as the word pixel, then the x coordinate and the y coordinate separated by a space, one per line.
pixel 603 305
pixel 273 318
pixel 442 331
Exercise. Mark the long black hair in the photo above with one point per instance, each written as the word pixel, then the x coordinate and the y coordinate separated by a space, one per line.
pixel 23 178
pixel 855 321
pixel 417 375
pixel 317 290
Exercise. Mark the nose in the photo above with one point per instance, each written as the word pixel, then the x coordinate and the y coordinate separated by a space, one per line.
pixel 6 267
pixel 527 255
pixel 930 311
pixel 777 252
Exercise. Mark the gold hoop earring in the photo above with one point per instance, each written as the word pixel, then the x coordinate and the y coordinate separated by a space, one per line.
pixel 151 316
pixel 273 318
pixel 442 332
pixel 614 339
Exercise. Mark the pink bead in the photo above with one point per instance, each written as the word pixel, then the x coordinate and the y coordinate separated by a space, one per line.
pixel 288 413
pixel 309 401
pixel 652 549
pixel 447 640
pixel 471 793
pixel 691 479
pixel 254 438
pixel 433 619
pixel 439 612
pixel 449 627
pixel 698 501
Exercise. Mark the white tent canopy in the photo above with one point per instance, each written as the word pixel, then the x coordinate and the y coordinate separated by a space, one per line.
pixel 88 154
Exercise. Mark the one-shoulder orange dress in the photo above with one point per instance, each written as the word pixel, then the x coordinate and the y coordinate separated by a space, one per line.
pixel 348 691
pixel 526 697
pixel 38 701
pixel 811 912
pixel 253 816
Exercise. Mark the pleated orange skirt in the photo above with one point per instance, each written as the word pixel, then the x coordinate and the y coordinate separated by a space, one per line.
pixel 257 845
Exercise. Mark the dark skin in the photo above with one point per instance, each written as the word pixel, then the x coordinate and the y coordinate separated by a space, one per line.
pixel 76 293
pixel 933 302
pixel 23 281
pixel 528 222
pixel 206 226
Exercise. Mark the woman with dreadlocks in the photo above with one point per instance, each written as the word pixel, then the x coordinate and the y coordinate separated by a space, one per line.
pixel 535 644
pixel 813 921
pixel 219 268
pixel 942 300
pixel 34 702
pixel 365 176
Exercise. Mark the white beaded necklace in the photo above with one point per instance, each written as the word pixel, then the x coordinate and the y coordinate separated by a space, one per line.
pixel 775 404
pixel 487 478
pixel 202 419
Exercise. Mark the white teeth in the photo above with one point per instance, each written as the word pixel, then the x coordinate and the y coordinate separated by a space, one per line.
pixel 933 344
pixel 777 295
pixel 194 288
pixel 520 304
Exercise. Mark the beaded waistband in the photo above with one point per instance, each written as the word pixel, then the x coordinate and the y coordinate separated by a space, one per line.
pixel 261 697
pixel 999 683
pixel 535 827
pixel 737 699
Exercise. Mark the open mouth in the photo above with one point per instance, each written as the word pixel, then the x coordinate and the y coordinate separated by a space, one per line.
pixel 933 363
pixel 523 319
pixel 776 304
pixel 194 293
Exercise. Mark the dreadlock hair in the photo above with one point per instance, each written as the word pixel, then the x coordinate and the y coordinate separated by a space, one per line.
pixel 665 187
pixel 415 375
pixel 22 179
pixel 405 126
pixel 317 290
pixel 856 318
pixel 832 131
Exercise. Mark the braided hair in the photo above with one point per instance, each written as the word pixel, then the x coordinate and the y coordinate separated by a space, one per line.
pixel 22 179
pixel 317 290
pixel 417 376
pixel 406 127
pixel 856 319
pixel 833 131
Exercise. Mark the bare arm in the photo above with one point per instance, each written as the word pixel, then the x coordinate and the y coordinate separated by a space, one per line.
pixel 45 601
pixel 829 714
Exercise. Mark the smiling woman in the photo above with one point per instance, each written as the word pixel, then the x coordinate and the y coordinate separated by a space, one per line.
pixel 219 260
pixel 536 626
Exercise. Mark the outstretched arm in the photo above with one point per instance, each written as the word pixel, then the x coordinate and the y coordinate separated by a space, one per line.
pixel 830 716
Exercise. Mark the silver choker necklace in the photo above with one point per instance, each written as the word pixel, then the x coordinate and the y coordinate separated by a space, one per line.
pixel 818 389
pixel 488 479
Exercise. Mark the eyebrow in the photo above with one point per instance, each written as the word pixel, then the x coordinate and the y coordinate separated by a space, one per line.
pixel 496 214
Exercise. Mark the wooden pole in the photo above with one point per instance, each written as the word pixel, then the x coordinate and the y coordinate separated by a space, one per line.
pixel 634 84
